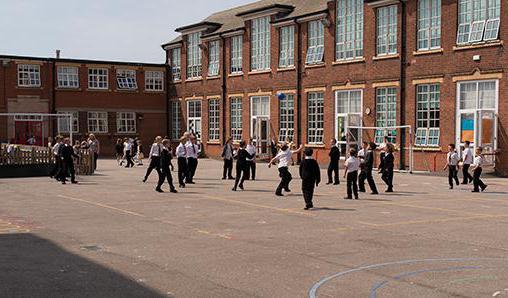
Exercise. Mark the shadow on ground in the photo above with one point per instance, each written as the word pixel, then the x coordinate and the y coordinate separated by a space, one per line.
pixel 31 266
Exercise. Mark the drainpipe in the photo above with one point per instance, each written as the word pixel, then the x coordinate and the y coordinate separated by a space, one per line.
pixel 403 61
pixel 299 69
pixel 53 127
pixel 224 89
pixel 168 82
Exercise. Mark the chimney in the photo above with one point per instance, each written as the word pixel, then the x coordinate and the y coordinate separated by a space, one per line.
pixel 57 54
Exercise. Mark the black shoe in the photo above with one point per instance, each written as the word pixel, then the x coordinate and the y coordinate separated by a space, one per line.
pixel 389 190
pixel 347 198
pixel 374 193
pixel 241 187
pixel 356 198
pixel 308 207
pixel 328 183
pixel 144 179
pixel 464 183
pixel 484 187
pixel 181 185
pixel 173 190
pixel 279 194
pixel 74 182
pixel 287 190
pixel 223 178
pixel 159 190
pixel 475 191
pixel 231 178
pixel 191 182
pixel 234 189
pixel 451 187
pixel 63 182
pixel 336 183
pixel 361 190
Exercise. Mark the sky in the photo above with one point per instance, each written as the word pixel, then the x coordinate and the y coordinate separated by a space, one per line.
pixel 118 30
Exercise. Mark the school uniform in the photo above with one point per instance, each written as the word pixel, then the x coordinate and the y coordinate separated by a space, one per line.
pixel 366 173
pixel 453 160
pixel 353 165
pixel 311 177
pixel 478 162
pixel 361 175
pixel 284 157
pixel 251 162
pixel 119 153
pixel 58 162
pixel 227 155
pixel 467 157
pixel 128 154
pixel 94 147
pixel 66 155
pixel 241 167
pixel 192 161
pixel 382 155
pixel 333 166
pixel 388 166
pixel 155 152
pixel 181 155
pixel 165 173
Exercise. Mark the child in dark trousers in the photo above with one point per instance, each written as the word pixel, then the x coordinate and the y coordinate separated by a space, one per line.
pixel 166 165
pixel 351 168
pixel 311 177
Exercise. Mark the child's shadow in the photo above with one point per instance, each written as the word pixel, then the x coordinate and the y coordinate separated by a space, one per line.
pixel 331 209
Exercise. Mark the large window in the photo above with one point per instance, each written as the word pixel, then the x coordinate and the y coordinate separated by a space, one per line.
pixel 154 80
pixel 176 64
pixel 194 117
pixel 260 48
pixel 29 75
pixel 287 118
pixel 176 119
pixel 68 77
pixel 386 30
pixel 287 47
pixel 348 118
pixel 478 20
pixel 213 58
pixel 236 54
pixel 193 55
pixel 98 122
pixel 126 79
pixel 214 119
pixel 427 114
pixel 316 48
pixel 63 122
pixel 98 78
pixel 315 117
pixel 429 24
pixel 386 114
pixel 349 29
pixel 236 118
pixel 126 122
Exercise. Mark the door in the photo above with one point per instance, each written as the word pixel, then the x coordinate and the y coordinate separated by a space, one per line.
pixel 262 137
pixel 487 133
pixel 348 134
pixel 28 133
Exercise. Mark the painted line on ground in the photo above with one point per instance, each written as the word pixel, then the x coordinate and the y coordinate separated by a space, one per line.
pixel 102 206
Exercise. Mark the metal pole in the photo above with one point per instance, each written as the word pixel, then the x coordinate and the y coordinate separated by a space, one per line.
pixel 71 119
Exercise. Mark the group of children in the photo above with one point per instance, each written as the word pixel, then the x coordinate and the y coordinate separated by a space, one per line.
pixel 63 154
pixel 129 151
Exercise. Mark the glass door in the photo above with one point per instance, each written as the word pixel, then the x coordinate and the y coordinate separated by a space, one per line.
pixel 262 135
pixel 348 119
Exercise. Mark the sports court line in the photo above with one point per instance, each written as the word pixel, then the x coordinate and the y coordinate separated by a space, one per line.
pixel 102 206
pixel 432 208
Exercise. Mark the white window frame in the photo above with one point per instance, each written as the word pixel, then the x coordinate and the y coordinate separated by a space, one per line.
pixel 428 95
pixel 126 79
pixel 98 78
pixel 315 118
pixel 429 25
pixel 386 30
pixel 287 118
pixel 176 64
pixel 260 44
pixel 68 77
pixel 126 122
pixel 194 56
pixel 29 75
pixel 63 122
pixel 472 13
pixel 349 35
pixel 96 121
pixel 386 112
pixel 287 46
pixel 237 54
pixel 154 80
pixel 213 58
pixel 351 113
pixel 495 29
pixel 214 119
pixel 235 106
pixel 196 107
pixel 316 43
pixel 176 119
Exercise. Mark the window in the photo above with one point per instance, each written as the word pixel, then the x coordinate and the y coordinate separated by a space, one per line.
pixel 236 54
pixel 98 78
pixel 29 75
pixel 154 80
pixel 194 117
pixel 429 24
pixel 236 118
pixel 315 118
pixel 176 120
pixel 63 122
pixel 260 51
pixel 348 118
pixel 287 47
pixel 316 48
pixel 176 64
pixel 194 55
pixel 386 114
pixel 126 122
pixel 386 32
pixel 213 58
pixel 427 115
pixel 98 122
pixel 126 79
pixel 287 118
pixel 477 95
pixel 349 29
pixel 213 119
pixel 478 20
pixel 68 77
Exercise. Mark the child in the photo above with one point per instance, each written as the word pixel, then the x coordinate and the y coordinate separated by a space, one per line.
pixel 154 157
pixel 387 169
pixel 333 166
pixel 452 163
pixel 165 173
pixel 467 160
pixel 284 156
pixel 227 156
pixel 119 151
pixel 363 174
pixel 478 162
pixel 351 172
pixel 181 154
pixel 311 176
pixel 242 168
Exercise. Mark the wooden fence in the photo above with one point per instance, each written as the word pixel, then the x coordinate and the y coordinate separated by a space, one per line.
pixel 22 155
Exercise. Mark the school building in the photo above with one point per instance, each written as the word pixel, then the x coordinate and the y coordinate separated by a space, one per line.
pixel 309 71
pixel 109 99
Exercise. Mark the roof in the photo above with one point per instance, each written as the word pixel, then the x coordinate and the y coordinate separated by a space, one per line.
pixel 83 61
pixel 232 19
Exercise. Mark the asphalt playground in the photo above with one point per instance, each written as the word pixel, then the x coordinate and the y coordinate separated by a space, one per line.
pixel 114 236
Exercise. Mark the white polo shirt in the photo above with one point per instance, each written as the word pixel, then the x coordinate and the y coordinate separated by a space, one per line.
pixel 452 158
pixel 467 156
pixel 352 164
pixel 284 158
pixel 192 150
pixel 156 149
pixel 251 149
pixel 180 150
pixel 479 161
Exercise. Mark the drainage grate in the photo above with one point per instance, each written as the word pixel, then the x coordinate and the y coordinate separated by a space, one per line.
pixel 91 247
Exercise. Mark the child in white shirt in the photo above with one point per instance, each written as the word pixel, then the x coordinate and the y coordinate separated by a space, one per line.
pixel 352 166
pixel 452 163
